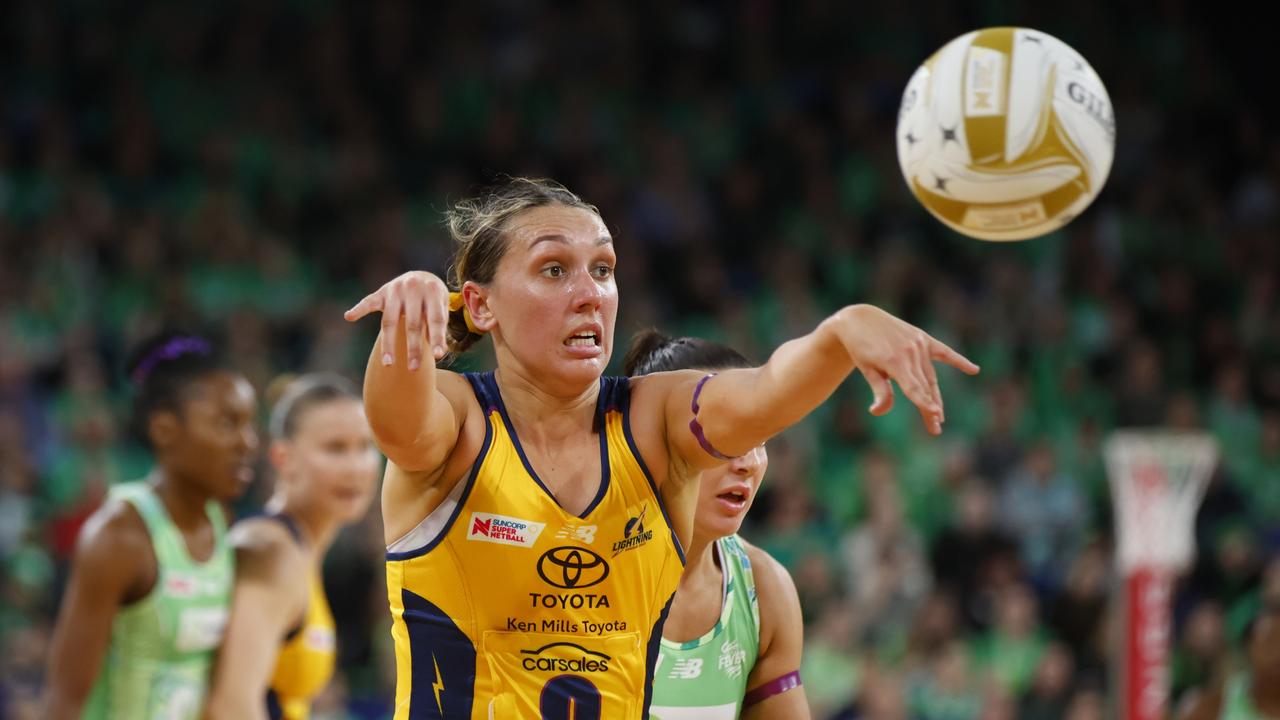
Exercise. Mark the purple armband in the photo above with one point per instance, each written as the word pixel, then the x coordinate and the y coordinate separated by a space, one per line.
pixel 696 427
pixel 776 686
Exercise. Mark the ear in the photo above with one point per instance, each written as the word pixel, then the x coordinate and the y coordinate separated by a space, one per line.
pixel 163 428
pixel 476 297
pixel 281 456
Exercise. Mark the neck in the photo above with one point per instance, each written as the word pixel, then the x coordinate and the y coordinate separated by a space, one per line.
pixel 182 500
pixel 317 527
pixel 544 414
pixel 700 562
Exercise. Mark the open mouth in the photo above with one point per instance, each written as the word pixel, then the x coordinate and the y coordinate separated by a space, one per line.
pixel 735 499
pixel 587 339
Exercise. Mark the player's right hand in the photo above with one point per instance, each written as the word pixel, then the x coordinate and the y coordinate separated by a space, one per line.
pixel 423 300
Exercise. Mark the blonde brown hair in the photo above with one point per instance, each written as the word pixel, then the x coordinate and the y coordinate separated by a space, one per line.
pixel 478 225
pixel 292 396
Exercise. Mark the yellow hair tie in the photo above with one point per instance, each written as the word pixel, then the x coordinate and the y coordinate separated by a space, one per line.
pixel 456 303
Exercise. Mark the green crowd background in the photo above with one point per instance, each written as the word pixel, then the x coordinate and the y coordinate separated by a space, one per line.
pixel 253 168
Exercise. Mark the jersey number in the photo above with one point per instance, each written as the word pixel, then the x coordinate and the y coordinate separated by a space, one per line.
pixel 570 697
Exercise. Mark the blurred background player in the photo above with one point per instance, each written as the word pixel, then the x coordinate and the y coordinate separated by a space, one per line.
pixel 150 585
pixel 1252 693
pixel 732 643
pixel 280 642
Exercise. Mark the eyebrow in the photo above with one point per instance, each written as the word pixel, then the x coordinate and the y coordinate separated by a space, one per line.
pixel 602 240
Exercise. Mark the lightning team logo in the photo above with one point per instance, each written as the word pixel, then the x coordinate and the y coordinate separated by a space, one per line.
pixel 633 533
pixel 438 685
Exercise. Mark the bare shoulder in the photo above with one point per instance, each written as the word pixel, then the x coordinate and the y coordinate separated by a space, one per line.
pixel 651 396
pixel 116 524
pixel 114 554
pixel 266 551
pixel 456 388
pixel 771 576
pixel 649 393
pixel 776 593
pixel 469 417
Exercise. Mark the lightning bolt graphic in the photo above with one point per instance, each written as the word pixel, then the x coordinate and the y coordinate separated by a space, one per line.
pixel 438 685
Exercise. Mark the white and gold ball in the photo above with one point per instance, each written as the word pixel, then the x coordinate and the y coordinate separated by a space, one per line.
pixel 1005 134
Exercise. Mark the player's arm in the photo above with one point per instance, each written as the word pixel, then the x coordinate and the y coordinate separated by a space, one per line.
pixel 1201 705
pixel 773 687
pixel 415 410
pixel 742 408
pixel 113 564
pixel 269 600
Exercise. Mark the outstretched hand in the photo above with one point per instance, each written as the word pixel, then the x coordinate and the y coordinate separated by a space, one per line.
pixel 423 300
pixel 885 348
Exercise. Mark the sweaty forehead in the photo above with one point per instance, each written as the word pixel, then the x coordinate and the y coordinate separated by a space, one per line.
pixel 569 223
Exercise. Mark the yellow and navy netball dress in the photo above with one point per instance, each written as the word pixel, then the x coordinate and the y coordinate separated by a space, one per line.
pixel 504 605
pixel 310 652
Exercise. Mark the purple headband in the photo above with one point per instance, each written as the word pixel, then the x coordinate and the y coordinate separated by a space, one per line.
pixel 172 350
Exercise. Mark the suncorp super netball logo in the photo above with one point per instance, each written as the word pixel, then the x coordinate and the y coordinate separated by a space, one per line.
pixel 504 530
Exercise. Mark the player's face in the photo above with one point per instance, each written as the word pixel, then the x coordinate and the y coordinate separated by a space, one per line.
pixel 332 454
pixel 727 491
pixel 216 439
pixel 553 296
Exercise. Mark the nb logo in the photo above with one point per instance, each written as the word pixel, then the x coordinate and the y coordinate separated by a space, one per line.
pixel 571 568
pixel 584 533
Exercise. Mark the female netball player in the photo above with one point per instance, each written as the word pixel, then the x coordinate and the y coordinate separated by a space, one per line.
pixel 280 642
pixel 151 579
pixel 731 645
pixel 535 515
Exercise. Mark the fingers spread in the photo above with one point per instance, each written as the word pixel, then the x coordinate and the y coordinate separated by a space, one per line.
pixel 931 376
pixel 370 303
pixel 918 391
pixel 881 389
pixel 437 324
pixel 940 352
pixel 413 312
pixel 390 324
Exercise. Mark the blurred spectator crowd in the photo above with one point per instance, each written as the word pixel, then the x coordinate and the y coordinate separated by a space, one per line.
pixel 254 168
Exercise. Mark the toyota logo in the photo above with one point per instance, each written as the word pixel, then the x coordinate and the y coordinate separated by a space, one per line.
pixel 572 567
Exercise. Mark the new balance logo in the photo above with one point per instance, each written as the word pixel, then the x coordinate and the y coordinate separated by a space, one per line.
pixel 581 533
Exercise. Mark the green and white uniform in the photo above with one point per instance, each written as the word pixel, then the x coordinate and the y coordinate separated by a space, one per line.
pixel 1236 703
pixel 162 646
pixel 705 679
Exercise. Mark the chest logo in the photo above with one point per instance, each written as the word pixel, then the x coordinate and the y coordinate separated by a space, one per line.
pixel 581 533
pixel 572 568
pixel 634 533
pixel 504 530
pixel 732 658
pixel 686 669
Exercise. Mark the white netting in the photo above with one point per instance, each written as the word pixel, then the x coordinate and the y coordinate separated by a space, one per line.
pixel 1158 478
